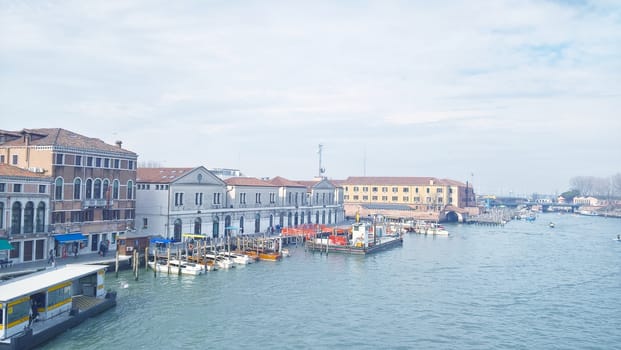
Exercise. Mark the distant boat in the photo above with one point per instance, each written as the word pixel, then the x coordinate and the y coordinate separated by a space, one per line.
pixel 174 266
pixel 551 225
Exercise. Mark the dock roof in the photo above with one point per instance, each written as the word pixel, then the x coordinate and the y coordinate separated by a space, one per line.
pixel 39 281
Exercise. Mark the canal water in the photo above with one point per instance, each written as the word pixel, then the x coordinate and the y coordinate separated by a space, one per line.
pixel 520 286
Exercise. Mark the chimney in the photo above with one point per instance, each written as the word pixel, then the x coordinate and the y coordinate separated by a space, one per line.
pixel 119 143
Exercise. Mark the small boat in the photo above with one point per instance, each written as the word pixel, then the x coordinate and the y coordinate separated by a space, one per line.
pixel 220 261
pixel 39 306
pixel 240 259
pixel 285 252
pixel 173 266
pixel 551 225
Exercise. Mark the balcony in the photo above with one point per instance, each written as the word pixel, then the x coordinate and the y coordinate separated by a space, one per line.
pixel 94 203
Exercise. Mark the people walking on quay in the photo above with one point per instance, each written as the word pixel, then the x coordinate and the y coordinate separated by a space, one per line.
pixel 52 257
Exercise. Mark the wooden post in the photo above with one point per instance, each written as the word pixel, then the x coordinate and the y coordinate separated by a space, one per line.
pixel 146 258
pixel 155 258
pixel 178 262
pixel 136 262
pixel 168 259
pixel 116 264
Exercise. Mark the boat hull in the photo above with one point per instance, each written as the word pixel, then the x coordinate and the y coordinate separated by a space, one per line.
pixel 30 340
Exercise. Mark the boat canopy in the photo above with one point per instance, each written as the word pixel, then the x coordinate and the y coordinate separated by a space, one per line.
pixel 158 240
pixel 190 235
pixel 38 281
pixel 70 237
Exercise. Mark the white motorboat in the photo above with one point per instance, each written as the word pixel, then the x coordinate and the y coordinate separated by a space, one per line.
pixel 241 259
pixel 222 262
pixel 173 265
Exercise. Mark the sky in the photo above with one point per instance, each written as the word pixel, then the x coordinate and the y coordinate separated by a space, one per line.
pixel 515 97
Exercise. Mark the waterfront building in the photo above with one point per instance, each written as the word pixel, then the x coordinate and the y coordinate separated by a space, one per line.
pixel 171 202
pixel 426 198
pixel 92 196
pixel 24 213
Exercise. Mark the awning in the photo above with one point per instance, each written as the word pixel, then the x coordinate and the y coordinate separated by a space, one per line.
pixel 70 237
pixel 5 245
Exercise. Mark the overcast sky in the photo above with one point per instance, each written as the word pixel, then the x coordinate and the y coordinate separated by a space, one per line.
pixel 513 96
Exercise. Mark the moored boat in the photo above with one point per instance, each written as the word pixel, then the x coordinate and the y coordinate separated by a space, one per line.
pixel 240 259
pixel 39 306
pixel 175 266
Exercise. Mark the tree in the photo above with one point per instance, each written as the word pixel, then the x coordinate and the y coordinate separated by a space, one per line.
pixel 616 184
pixel 569 195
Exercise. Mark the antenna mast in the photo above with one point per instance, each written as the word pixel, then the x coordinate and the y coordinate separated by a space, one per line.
pixel 321 169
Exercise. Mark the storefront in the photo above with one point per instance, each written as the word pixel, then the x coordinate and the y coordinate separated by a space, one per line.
pixel 69 244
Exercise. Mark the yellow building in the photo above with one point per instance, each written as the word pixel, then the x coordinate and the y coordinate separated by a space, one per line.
pixel 407 197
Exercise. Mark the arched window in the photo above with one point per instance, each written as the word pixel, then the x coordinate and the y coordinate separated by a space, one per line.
pixel 227 226
pixel 40 217
pixel 309 217
pixel 97 189
pixel 302 218
pixel 130 189
pixel 216 227
pixel 177 230
pixel 317 217
pixel 257 223
pixel 289 216
pixel 16 218
pixel 115 189
pixel 29 218
pixel 241 225
pixel 58 189
pixel 106 189
pixel 295 219
pixel 1 215
pixel 323 216
pixel 89 188
pixel 77 188
pixel 197 226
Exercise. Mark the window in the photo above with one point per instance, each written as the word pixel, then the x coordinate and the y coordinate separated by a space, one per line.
pixel 395 190
pixel 406 199
pixel 17 187
pixel 130 165
pixel 97 189
pixel 384 198
pixel 373 189
pixel 384 189
pixel 257 198
pixel 98 162
pixel 145 223
pixel 273 198
pixel 394 198
pixel 2 187
pixel 14 159
pixel 365 198
pixel 2 158
pixel 356 197
pixel 115 189
pixel 373 198
pixel 106 162
pixel 439 190
pixel 242 198
pixel 89 188
pixel 58 189
pixel 42 188
pixel 427 189
pixel 130 189
pixel 178 198
pixel 216 198
pixel 117 164
pixel 89 161
pixel 60 159
pixel 198 198
pixel 78 160
pixel 405 189
pixel 106 189
pixel 355 188
pixel 365 189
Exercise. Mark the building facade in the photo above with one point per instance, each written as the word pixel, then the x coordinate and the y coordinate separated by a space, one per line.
pixel 92 196
pixel 173 202
pixel 407 197
pixel 24 212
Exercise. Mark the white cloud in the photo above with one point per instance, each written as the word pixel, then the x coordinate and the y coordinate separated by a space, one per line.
pixel 459 80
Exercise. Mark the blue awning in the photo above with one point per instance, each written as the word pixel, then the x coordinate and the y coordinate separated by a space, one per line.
pixel 5 245
pixel 161 240
pixel 70 237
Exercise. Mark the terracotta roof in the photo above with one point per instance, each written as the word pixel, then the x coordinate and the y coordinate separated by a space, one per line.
pixel 59 137
pixel 160 175
pixel 247 181
pixel 398 181
pixel 10 170
pixel 282 182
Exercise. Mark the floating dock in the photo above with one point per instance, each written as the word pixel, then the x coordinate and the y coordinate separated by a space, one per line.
pixel 361 242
